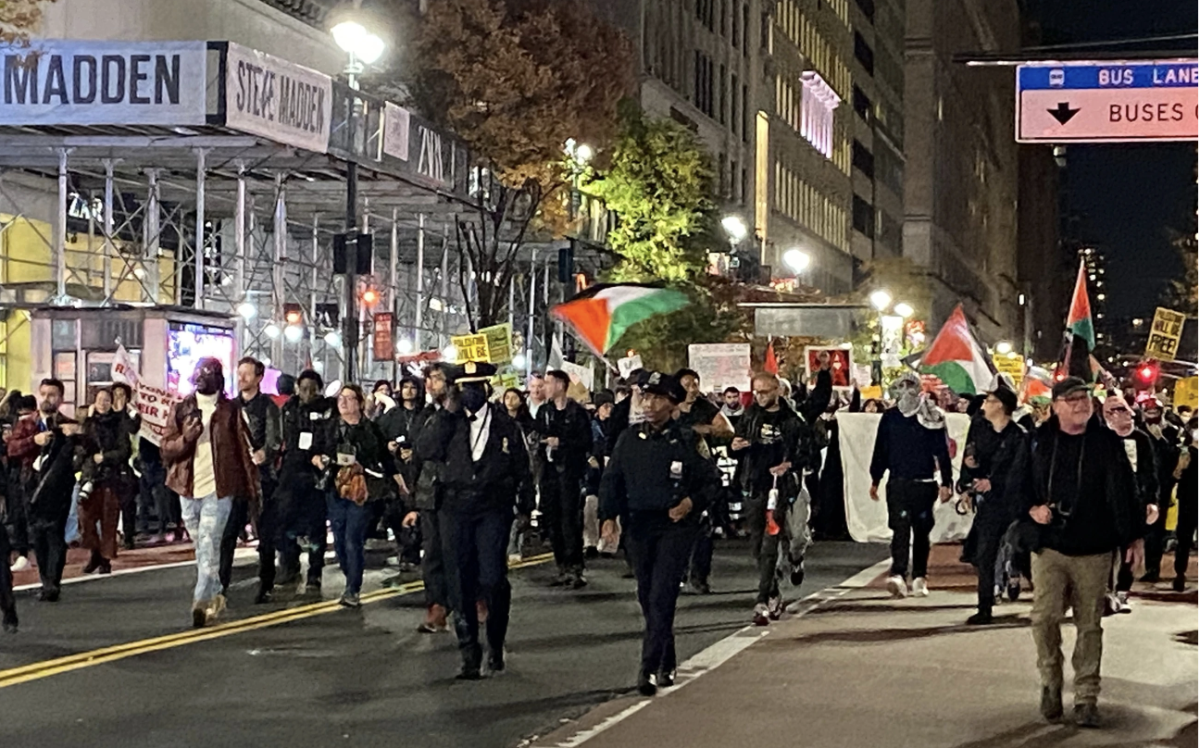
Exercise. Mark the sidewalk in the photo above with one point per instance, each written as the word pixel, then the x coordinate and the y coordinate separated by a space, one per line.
pixel 864 670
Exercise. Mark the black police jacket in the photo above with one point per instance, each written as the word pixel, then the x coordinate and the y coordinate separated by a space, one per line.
pixel 499 479
pixel 652 470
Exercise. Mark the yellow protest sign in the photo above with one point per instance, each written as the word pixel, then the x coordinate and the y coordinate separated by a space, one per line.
pixel 1011 364
pixel 499 343
pixel 1187 392
pixel 470 348
pixel 1165 333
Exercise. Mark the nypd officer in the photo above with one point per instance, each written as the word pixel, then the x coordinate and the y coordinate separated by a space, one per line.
pixel 489 483
pixel 658 485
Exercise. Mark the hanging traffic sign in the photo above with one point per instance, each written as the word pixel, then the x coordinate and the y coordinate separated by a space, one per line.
pixel 1107 102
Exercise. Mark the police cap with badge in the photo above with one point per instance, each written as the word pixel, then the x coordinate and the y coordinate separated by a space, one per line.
pixel 472 372
pixel 657 383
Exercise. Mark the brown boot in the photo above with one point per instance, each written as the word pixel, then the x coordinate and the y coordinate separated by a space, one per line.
pixel 435 620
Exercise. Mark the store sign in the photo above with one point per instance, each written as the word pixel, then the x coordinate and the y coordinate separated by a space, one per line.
pixel 1165 332
pixel 383 344
pixel 77 82
pixel 269 96
pixel 396 124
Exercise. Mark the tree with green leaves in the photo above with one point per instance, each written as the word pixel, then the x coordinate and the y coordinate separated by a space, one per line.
pixel 659 185
pixel 515 80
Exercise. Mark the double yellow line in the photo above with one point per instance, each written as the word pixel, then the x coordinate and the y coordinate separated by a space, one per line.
pixel 59 665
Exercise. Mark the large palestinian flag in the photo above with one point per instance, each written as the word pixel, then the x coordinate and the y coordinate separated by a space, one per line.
pixel 601 314
pixel 956 358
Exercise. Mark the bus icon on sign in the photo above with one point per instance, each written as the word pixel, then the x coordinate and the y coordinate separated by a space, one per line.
pixel 1057 78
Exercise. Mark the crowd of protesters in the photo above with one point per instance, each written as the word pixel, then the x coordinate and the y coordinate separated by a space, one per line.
pixel 1069 494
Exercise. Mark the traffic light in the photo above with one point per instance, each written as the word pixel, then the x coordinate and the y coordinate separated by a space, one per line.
pixel 1145 376
pixel 370 297
pixel 293 314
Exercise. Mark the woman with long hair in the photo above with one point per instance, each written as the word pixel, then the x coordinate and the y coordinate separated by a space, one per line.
pixel 105 477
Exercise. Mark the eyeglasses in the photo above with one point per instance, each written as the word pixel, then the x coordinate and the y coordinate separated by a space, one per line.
pixel 764 393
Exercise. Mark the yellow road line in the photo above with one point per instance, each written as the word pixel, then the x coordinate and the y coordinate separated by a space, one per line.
pixel 47 668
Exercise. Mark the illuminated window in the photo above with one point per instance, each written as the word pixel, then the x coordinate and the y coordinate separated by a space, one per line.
pixel 818 101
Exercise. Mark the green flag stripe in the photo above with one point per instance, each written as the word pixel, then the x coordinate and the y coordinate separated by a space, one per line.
pixel 631 312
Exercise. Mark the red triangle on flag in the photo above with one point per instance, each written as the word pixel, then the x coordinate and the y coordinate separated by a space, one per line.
pixel 771 365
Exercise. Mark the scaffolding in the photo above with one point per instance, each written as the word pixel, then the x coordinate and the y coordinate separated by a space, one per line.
pixel 213 219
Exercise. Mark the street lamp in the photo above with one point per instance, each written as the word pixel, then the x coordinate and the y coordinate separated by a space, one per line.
pixel 272 330
pixel 880 299
pixel 1004 347
pixel 903 310
pixel 363 48
pixel 735 227
pixel 797 260
pixel 246 310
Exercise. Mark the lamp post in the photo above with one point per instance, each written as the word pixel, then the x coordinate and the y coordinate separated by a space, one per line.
pixel 362 48
pixel 735 229
pixel 881 301
pixel 797 261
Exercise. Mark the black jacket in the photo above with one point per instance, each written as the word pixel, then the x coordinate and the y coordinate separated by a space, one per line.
pixel 907 450
pixel 263 422
pixel 299 419
pixel 1106 513
pixel 1006 464
pixel 499 480
pixel 652 470
pixel 775 437
pixel 573 427
pixel 369 447
pixel 55 478
pixel 429 460
pixel 108 435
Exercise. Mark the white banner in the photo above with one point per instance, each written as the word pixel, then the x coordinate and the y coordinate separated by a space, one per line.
pixel 396 124
pixel 153 402
pixel 721 365
pixel 76 82
pixel 867 520
pixel 269 96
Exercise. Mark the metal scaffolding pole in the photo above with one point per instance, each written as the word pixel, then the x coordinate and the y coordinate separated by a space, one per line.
pixel 532 304
pixel 279 235
pixel 60 229
pixel 108 228
pixel 239 252
pixel 201 176
pixel 150 237
pixel 419 307
pixel 445 290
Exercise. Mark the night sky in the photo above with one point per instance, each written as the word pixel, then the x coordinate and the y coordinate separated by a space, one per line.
pixel 1128 197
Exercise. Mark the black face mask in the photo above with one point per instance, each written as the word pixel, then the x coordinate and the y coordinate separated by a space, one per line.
pixel 473 398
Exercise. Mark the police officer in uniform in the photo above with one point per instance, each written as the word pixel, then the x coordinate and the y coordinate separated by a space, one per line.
pixel 489 483
pixel 658 485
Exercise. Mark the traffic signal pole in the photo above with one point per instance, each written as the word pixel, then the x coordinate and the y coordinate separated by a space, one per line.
pixel 350 318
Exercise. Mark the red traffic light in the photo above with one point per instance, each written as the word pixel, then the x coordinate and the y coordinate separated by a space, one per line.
pixel 370 297
pixel 1146 375
pixel 293 314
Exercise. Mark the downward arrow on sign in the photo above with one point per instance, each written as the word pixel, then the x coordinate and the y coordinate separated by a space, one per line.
pixel 1063 113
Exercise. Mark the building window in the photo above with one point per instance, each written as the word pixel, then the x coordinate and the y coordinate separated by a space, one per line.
pixel 704 13
pixel 864 217
pixel 746 30
pixel 868 8
pixel 734 33
pixel 745 112
pixel 704 83
pixel 817 104
pixel 862 105
pixel 863 160
pixel 864 54
pixel 721 27
pixel 724 97
pixel 735 115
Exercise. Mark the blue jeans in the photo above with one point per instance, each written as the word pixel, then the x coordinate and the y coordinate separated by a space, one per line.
pixel 205 519
pixel 349 523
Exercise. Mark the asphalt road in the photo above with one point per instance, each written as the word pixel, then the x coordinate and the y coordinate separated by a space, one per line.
pixel 340 677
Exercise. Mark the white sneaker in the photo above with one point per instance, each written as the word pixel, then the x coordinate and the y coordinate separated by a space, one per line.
pixel 919 588
pixel 1123 603
pixel 514 558
pixel 761 617
pixel 775 608
pixel 21 564
pixel 897 587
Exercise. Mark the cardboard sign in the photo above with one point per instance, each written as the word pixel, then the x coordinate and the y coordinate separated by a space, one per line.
pixel 152 402
pixel 629 365
pixel 499 343
pixel 1011 364
pixel 721 365
pixel 841 365
pixel 470 348
pixel 1165 333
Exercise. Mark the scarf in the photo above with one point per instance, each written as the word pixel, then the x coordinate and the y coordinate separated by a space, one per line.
pixel 911 401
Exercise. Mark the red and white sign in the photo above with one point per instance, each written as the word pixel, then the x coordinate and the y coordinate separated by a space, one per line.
pixel 153 403
pixel 1107 102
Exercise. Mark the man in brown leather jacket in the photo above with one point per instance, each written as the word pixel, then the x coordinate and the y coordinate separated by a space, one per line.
pixel 207 453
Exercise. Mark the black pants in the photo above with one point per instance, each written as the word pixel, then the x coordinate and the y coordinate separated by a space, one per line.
pixel 155 494
pixel 562 512
pixel 765 547
pixel 910 517
pixel 270 525
pixel 700 567
pixel 48 526
pixel 433 563
pixel 478 545
pixel 989 536
pixel 127 497
pixel 8 601
pixel 659 550
pixel 302 507
pixel 1185 528
pixel 17 514
pixel 408 539
pixel 1156 536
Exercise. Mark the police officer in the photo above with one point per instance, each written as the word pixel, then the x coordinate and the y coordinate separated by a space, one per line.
pixel 658 485
pixel 490 481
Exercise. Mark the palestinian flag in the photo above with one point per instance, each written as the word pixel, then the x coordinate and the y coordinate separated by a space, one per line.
pixel 956 358
pixel 1079 319
pixel 1036 385
pixel 601 314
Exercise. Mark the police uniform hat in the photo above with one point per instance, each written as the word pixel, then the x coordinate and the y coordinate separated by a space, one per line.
pixel 657 383
pixel 474 371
